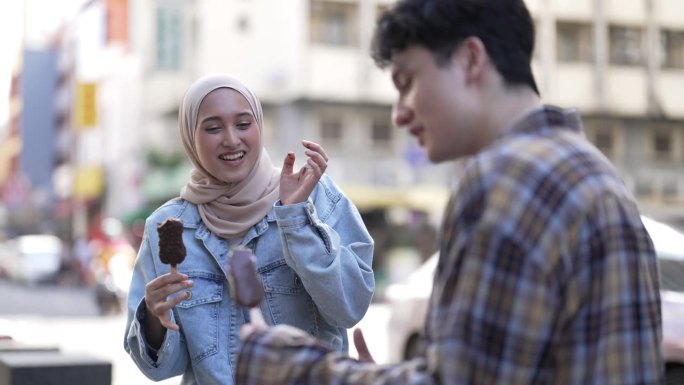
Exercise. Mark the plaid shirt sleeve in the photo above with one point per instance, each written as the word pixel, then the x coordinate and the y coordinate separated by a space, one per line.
pixel 285 355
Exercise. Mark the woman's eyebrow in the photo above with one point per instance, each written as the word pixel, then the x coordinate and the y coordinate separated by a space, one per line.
pixel 210 118
pixel 245 113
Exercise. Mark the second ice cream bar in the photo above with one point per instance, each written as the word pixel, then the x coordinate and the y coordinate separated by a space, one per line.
pixel 171 247
pixel 245 285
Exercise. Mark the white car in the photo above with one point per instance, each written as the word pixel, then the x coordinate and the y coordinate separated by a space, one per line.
pixel 408 301
pixel 31 258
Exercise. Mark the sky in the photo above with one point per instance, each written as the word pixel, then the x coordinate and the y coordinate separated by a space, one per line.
pixel 32 21
pixel 11 24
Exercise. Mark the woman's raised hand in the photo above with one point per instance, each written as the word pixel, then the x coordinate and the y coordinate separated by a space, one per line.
pixel 296 187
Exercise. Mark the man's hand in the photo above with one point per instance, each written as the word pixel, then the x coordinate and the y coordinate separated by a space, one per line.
pixel 361 347
pixel 250 328
pixel 296 187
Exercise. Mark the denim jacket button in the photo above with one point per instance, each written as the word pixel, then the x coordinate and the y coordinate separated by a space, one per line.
pixel 189 295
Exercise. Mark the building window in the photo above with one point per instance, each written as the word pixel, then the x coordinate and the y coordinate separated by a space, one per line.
pixel 662 146
pixel 672 49
pixel 574 43
pixel 331 127
pixel 381 131
pixel 243 24
pixel 334 23
pixel 626 46
pixel 604 140
pixel 169 38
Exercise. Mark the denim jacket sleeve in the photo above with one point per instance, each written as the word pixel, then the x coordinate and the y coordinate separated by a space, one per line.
pixel 172 356
pixel 326 242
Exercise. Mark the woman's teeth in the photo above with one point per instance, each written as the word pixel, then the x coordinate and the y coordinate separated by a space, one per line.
pixel 235 156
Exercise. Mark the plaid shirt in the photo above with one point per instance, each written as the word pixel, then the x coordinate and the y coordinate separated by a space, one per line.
pixel 546 276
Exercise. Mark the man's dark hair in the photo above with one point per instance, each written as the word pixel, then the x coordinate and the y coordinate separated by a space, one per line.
pixel 504 26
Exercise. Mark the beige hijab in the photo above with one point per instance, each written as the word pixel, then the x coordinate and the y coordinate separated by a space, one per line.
pixel 227 209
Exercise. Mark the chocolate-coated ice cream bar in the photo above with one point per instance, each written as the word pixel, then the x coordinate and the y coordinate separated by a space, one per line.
pixel 171 247
pixel 245 285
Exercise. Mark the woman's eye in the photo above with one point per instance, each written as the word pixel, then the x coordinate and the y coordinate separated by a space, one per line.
pixel 244 125
pixel 212 129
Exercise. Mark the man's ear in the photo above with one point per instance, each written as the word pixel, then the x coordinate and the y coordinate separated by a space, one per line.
pixel 473 57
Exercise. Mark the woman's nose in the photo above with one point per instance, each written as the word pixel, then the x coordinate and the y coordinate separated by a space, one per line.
pixel 401 116
pixel 230 138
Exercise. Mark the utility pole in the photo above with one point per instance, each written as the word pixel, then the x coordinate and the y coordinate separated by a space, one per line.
pixel 600 53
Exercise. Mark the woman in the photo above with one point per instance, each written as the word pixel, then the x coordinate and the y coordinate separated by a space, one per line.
pixel 313 252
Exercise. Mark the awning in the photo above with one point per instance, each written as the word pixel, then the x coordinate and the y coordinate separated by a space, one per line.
pixel 428 198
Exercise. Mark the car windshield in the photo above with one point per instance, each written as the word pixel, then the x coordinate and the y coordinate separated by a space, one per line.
pixel 669 246
pixel 671 274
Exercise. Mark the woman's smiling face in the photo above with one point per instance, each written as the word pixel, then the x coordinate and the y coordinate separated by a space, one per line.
pixel 227 135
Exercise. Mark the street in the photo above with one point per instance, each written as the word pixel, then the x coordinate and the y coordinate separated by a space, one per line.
pixel 67 317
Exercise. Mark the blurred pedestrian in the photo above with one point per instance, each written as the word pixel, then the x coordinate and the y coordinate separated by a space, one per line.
pixel 83 258
pixel 546 273
pixel 313 252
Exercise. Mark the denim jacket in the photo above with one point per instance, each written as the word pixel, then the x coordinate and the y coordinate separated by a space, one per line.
pixel 314 259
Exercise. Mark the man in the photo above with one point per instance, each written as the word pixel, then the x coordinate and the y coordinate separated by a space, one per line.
pixel 546 274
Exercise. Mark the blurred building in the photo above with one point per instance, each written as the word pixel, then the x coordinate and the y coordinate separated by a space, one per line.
pixel 122 66
pixel 68 153
pixel 308 62
pixel 620 62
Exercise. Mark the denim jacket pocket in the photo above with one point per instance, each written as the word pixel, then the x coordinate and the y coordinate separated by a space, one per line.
pixel 287 300
pixel 278 277
pixel 198 316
